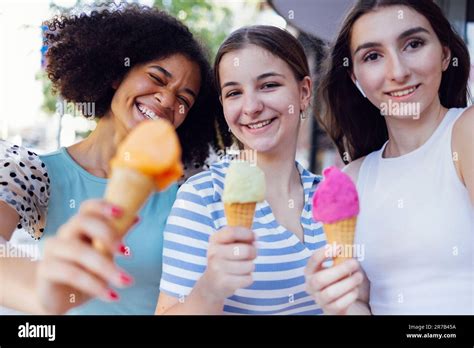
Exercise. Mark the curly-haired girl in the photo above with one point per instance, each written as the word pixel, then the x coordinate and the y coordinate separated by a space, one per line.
pixel 132 63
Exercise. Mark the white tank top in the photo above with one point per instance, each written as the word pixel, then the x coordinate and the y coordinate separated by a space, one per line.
pixel 416 228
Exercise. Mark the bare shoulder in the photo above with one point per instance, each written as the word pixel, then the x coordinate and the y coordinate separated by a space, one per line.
pixel 462 144
pixel 464 125
pixel 352 169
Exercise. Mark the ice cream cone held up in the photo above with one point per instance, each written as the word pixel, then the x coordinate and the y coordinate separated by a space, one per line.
pixel 336 205
pixel 244 187
pixel 149 159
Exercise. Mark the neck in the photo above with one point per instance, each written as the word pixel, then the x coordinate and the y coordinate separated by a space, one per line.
pixel 406 135
pixel 281 175
pixel 95 152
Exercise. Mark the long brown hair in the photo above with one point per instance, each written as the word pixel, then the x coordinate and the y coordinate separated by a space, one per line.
pixel 352 121
pixel 277 41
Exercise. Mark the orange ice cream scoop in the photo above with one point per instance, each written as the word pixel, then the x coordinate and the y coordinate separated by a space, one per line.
pixel 149 159
pixel 153 149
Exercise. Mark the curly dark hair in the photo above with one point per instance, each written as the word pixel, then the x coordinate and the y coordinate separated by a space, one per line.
pixel 87 53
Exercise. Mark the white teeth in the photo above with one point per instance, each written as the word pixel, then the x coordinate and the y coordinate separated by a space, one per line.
pixel 402 93
pixel 259 125
pixel 146 112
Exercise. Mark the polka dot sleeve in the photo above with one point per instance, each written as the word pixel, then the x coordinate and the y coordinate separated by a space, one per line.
pixel 24 186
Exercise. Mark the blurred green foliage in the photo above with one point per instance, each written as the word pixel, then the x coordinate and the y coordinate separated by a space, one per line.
pixel 210 20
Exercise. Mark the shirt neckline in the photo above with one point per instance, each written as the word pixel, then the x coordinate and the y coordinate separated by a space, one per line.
pixel 79 168
pixel 265 207
pixel 420 149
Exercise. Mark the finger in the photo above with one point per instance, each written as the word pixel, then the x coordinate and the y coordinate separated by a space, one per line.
pixel 337 290
pixel 315 262
pixel 83 255
pixel 237 251
pixel 73 276
pixel 328 276
pixel 92 228
pixel 229 235
pixel 237 267
pixel 341 305
pixel 101 207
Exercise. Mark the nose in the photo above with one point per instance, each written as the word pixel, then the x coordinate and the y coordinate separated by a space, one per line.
pixel 166 99
pixel 397 70
pixel 252 106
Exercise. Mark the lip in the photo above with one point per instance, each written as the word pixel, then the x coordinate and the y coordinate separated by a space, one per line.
pixel 403 89
pixel 158 112
pixel 259 130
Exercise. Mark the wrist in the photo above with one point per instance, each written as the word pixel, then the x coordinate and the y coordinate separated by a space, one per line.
pixel 212 300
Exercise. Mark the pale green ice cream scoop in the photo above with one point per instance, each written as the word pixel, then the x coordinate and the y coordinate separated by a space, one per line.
pixel 244 183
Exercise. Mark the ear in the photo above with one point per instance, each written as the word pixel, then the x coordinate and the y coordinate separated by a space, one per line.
pixel 352 76
pixel 306 92
pixel 446 58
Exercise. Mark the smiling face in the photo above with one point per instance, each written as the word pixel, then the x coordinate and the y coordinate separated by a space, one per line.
pixel 163 88
pixel 397 57
pixel 262 99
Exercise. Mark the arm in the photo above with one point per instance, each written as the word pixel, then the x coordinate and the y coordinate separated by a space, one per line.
pixel 226 272
pixel 9 222
pixel 463 150
pixel 17 286
pixel 198 302
pixel 71 266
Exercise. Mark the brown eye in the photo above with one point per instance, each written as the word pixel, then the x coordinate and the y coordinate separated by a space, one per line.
pixel 415 44
pixel 371 57
pixel 231 94
pixel 271 85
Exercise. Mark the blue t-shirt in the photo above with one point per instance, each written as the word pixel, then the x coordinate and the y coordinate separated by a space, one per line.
pixel 47 190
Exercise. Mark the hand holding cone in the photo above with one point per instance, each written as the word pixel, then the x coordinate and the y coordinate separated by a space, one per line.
pixel 148 159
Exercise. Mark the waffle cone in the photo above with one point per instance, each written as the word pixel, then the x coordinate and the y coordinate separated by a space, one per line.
pixel 240 214
pixel 129 190
pixel 341 233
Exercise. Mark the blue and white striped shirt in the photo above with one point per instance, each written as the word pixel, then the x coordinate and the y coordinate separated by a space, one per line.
pixel 279 282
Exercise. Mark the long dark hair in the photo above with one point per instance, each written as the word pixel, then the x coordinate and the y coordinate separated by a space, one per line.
pixel 352 121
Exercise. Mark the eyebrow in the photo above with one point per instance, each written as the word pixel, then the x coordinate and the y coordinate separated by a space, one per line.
pixel 259 77
pixel 403 35
pixel 169 75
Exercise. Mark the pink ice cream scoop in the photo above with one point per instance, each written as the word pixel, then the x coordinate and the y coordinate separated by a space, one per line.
pixel 336 197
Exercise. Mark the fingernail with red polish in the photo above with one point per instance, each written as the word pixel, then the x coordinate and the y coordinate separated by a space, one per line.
pixel 125 279
pixel 112 295
pixel 136 220
pixel 123 249
pixel 116 211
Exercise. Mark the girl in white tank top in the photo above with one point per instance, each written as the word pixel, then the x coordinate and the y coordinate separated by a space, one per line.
pixel 399 110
